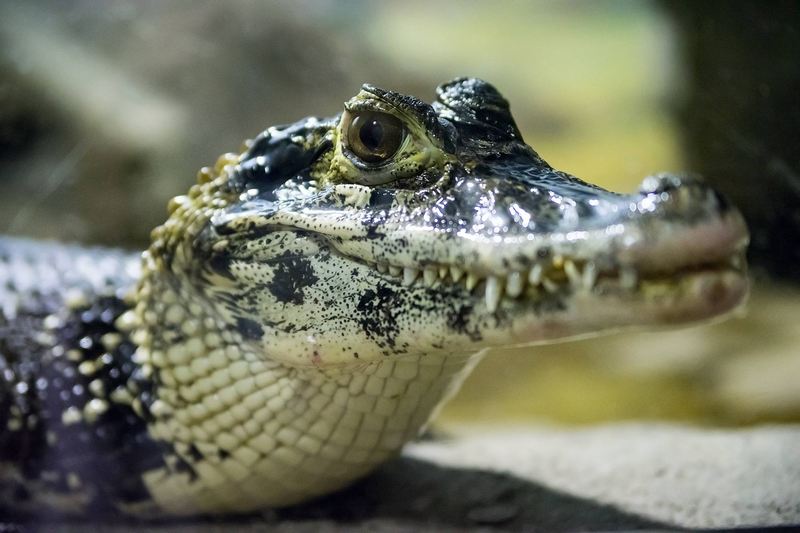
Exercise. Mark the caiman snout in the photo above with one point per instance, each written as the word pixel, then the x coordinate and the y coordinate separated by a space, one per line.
pixel 683 222
pixel 682 196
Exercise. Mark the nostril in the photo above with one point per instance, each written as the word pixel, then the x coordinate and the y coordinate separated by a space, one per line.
pixel 668 182
pixel 681 196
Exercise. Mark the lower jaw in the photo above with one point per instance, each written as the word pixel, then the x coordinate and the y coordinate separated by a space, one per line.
pixel 695 296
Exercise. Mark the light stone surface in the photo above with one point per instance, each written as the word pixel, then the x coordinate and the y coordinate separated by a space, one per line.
pixel 675 475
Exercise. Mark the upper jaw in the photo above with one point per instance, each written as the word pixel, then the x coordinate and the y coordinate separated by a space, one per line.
pixel 670 230
pixel 620 260
pixel 656 230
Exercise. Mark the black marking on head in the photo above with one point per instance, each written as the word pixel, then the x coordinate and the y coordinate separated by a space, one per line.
pixel 249 329
pixel 458 320
pixel 291 276
pixel 378 310
pixel 275 156
pixel 221 264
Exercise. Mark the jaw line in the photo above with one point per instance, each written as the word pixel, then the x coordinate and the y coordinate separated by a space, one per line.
pixel 633 266
pixel 702 297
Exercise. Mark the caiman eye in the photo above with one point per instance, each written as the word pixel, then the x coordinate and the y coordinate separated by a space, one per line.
pixel 373 137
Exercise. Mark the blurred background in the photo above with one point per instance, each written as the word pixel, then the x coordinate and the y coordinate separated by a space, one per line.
pixel 108 108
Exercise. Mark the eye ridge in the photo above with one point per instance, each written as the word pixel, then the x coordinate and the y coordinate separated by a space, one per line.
pixel 374 137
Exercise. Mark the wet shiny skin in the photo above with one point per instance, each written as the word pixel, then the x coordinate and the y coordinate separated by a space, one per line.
pixel 311 302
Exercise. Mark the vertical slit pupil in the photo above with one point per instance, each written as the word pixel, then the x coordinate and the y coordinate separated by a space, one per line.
pixel 371 134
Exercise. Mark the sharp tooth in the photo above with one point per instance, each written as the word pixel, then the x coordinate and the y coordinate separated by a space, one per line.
pixel 456 273
pixel 573 274
pixel 549 285
pixel 383 268
pixel 515 284
pixel 395 270
pixel 628 277
pixel 409 275
pixel 558 261
pixel 589 275
pixel 443 272
pixel 472 280
pixel 493 288
pixel 429 275
pixel 535 276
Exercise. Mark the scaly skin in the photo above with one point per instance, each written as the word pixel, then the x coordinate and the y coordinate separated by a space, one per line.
pixel 311 302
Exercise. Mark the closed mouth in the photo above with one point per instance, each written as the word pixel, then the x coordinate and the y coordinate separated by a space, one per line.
pixel 715 247
pixel 551 277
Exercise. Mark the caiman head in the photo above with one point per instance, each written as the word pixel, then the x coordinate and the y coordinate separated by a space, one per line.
pixel 400 227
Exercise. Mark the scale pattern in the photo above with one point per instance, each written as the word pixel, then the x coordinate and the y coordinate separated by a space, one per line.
pixel 305 310
pixel 75 406
pixel 70 433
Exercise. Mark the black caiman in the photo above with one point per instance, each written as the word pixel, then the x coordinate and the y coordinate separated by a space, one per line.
pixel 310 303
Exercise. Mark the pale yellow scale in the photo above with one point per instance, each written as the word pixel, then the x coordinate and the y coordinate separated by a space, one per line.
pixel 289 433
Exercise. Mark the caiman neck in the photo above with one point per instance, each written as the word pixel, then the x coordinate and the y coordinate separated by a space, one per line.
pixel 249 431
pixel 258 433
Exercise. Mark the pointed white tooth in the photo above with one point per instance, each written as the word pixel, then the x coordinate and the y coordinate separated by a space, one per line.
pixel 558 261
pixel 589 275
pixel 493 289
pixel 535 276
pixel 515 284
pixel 443 272
pixel 429 275
pixel 383 268
pixel 573 274
pixel 395 270
pixel 409 275
pixel 456 272
pixel 549 285
pixel 628 277
pixel 472 280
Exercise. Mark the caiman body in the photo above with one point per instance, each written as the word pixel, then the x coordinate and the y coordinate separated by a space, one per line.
pixel 312 300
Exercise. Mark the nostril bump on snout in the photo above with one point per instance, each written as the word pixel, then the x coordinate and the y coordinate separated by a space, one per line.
pixel 659 183
pixel 680 195
pixel 686 196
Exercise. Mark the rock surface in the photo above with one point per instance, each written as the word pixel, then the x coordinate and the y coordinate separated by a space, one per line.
pixel 606 478
pixel 671 475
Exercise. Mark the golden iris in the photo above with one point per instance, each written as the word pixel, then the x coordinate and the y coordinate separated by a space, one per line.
pixel 372 136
